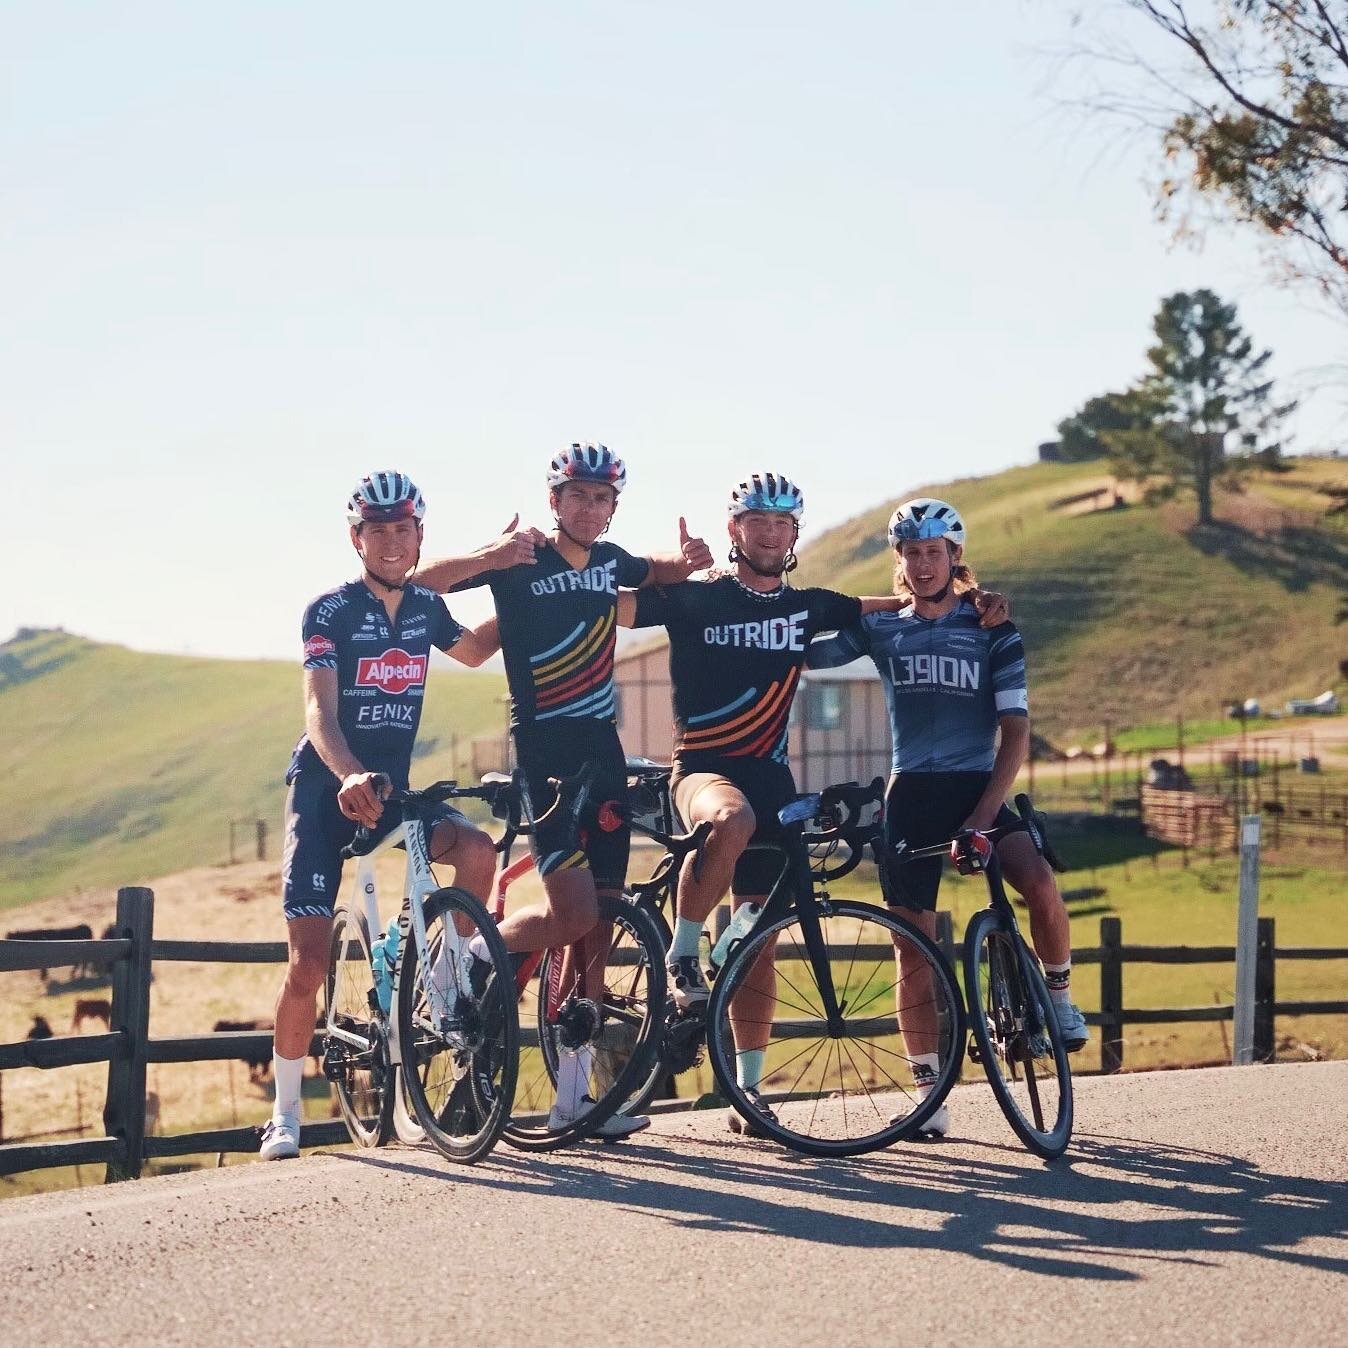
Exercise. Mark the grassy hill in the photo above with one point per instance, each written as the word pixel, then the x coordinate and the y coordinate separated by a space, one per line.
pixel 120 766
pixel 1136 613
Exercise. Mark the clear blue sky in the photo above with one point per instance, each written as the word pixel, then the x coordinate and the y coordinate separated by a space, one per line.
pixel 249 252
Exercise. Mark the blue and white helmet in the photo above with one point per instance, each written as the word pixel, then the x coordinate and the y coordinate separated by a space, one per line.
pixel 767 491
pixel 382 497
pixel 587 463
pixel 926 517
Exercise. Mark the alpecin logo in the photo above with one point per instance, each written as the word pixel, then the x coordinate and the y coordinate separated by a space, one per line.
pixel 395 671
pixel 316 646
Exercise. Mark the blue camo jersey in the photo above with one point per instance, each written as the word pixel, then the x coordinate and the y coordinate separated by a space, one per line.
pixel 381 671
pixel 946 681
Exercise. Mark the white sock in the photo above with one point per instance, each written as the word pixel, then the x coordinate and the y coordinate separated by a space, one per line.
pixel 289 1074
pixel 1058 978
pixel 477 945
pixel 687 939
pixel 749 1067
pixel 925 1068
pixel 571 1082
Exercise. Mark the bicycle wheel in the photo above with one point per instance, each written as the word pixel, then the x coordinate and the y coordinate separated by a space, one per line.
pixel 1016 1035
pixel 355 1038
pixel 847 1088
pixel 459 1068
pixel 619 1058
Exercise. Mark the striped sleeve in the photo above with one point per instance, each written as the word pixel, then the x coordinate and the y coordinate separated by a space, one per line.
pixel 837 648
pixel 1006 663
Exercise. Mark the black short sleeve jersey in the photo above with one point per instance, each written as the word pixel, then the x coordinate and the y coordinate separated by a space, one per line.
pixel 558 629
pixel 735 657
pixel 381 670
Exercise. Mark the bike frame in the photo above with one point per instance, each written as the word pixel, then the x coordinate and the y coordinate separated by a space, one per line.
pixel 418 884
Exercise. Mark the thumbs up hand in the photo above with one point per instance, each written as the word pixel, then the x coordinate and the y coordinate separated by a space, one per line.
pixel 515 547
pixel 696 554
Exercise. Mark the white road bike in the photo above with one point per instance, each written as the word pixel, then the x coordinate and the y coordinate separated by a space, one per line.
pixel 447 1041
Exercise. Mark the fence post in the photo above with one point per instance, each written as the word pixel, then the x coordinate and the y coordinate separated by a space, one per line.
pixel 124 1112
pixel 945 936
pixel 261 839
pixel 1111 994
pixel 1265 1045
pixel 1247 918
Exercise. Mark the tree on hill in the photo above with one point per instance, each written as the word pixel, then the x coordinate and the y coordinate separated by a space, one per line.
pixel 1206 384
pixel 1081 436
pixel 1254 124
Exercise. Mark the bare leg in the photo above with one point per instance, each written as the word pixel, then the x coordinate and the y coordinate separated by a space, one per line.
pixel 914 996
pixel 705 797
pixel 1030 875
pixel 754 1004
pixel 309 938
pixel 568 912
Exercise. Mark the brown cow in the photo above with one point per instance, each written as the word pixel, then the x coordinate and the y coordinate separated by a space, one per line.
pixel 259 1064
pixel 91 1008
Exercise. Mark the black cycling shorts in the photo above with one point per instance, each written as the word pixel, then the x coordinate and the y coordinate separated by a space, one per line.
pixel 316 831
pixel 767 785
pixel 560 748
pixel 922 809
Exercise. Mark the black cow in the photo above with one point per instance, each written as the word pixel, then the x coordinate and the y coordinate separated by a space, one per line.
pixel 41 1029
pixel 259 1061
pixel 83 932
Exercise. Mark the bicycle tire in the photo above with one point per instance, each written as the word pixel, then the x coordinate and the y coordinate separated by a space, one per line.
pixel 460 1075
pixel 361 1077
pixel 1008 1006
pixel 628 1042
pixel 812 1114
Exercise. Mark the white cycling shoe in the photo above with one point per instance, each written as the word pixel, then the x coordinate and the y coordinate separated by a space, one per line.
pixel 280 1139
pixel 1072 1025
pixel 613 1129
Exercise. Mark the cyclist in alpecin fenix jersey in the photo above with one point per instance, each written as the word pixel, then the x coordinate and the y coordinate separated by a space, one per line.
pixel 556 622
pixel 959 720
pixel 367 646
pixel 736 647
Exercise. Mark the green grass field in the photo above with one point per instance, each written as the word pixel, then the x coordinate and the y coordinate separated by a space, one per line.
pixel 128 766
pixel 1136 614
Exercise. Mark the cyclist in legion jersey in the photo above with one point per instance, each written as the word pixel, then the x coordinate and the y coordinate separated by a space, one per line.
pixel 959 720
pixel 367 646
pixel 556 620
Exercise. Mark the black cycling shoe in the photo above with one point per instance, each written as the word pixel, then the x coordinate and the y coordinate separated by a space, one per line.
pixel 748 1127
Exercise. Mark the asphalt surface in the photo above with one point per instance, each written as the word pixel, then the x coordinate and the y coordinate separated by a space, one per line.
pixel 1198 1207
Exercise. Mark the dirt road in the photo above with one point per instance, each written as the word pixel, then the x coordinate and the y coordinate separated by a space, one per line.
pixel 1195 1207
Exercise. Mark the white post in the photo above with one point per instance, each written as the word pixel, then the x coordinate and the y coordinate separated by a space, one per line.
pixel 1247 931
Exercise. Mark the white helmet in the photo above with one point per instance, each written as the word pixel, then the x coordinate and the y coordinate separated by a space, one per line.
pixel 385 496
pixel 925 517
pixel 767 491
pixel 587 463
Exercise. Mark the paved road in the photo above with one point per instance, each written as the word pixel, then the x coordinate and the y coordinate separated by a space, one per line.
pixel 1195 1207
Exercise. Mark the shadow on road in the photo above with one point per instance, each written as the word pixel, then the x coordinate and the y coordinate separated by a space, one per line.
pixel 1112 1202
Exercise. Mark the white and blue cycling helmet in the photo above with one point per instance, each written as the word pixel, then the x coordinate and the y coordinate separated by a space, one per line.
pixel 925 517
pixel 767 491
pixel 587 463
pixel 382 497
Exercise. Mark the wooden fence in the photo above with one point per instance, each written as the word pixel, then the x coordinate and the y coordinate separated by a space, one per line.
pixel 128 1048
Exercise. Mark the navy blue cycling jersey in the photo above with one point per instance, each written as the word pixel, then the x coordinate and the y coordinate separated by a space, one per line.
pixel 381 671
pixel 735 656
pixel 558 629
pixel 947 681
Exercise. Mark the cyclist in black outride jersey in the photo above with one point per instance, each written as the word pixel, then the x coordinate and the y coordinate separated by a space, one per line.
pixel 556 621
pixel 367 647
pixel 736 647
